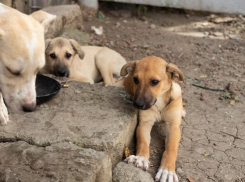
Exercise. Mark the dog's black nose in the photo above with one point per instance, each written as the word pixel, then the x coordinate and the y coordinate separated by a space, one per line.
pixel 29 107
pixel 139 104
pixel 62 72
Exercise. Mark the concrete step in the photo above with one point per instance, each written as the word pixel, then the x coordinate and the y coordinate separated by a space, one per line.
pixel 89 116
pixel 61 162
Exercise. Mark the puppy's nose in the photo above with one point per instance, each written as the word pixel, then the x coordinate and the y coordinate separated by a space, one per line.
pixel 139 104
pixel 29 107
pixel 62 72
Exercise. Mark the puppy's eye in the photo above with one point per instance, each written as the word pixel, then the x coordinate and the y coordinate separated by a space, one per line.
pixel 68 55
pixel 52 55
pixel 154 82
pixel 136 80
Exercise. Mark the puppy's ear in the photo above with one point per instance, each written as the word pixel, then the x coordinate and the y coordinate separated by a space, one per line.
pixel 128 68
pixel 47 43
pixel 175 72
pixel 77 48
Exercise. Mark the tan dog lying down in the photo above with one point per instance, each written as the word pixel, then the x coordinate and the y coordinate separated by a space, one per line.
pixel 150 83
pixel 21 57
pixel 86 64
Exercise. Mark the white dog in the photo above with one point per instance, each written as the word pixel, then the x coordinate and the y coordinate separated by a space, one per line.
pixel 22 51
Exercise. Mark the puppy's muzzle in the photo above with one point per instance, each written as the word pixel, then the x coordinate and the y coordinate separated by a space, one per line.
pixel 62 71
pixel 29 107
pixel 143 104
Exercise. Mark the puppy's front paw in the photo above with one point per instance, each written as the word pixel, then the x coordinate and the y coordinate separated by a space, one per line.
pixel 4 117
pixel 164 175
pixel 139 161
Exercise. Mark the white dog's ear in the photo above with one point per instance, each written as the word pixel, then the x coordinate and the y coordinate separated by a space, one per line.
pixel 77 48
pixel 128 68
pixel 44 18
pixel 175 72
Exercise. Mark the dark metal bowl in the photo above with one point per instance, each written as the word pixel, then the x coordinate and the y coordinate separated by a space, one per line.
pixel 46 88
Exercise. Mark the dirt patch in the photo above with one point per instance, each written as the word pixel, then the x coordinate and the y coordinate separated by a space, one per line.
pixel 211 56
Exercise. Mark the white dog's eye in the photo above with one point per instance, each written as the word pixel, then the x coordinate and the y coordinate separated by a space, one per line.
pixel 68 55
pixel 52 55
pixel 16 73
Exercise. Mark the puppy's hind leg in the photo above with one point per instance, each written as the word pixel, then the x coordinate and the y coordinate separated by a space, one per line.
pixel 4 117
pixel 105 69
pixel 109 63
pixel 107 76
pixel 120 83
pixel 82 79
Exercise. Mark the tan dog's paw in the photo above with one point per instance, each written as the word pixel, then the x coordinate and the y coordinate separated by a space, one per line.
pixel 4 117
pixel 164 175
pixel 139 161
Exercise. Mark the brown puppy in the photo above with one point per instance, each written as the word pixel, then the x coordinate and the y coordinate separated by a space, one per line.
pixel 150 83
pixel 82 63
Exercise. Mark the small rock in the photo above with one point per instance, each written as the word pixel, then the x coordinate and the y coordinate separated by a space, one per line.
pixel 232 102
pixel 218 34
pixel 155 151
pixel 234 36
pixel 37 165
pixel 212 16
pixel 237 75
pixel 203 76
pixel 205 23
pixel 145 46
pixel 77 91
pixel 152 26
pixel 179 171
pixel 231 87
pixel 118 24
pixel 223 20
pixel 112 43
pixel 237 98
pixel 206 154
